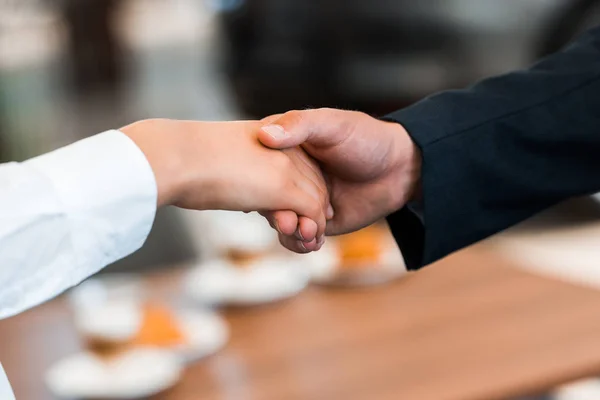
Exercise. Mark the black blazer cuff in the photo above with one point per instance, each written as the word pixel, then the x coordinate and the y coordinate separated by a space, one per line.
pixel 409 233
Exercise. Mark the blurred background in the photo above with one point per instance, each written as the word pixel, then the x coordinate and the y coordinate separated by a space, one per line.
pixel 73 68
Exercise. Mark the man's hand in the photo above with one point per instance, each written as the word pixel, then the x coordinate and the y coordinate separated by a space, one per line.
pixel 221 165
pixel 372 167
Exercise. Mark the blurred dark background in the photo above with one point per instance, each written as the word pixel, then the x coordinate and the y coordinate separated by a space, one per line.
pixel 381 55
pixel 72 68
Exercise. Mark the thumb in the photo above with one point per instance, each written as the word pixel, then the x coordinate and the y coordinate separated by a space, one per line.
pixel 297 127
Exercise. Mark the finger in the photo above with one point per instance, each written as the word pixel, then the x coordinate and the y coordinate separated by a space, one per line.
pixel 329 214
pixel 287 223
pixel 312 171
pixel 319 127
pixel 308 161
pixel 284 221
pixel 320 242
pixel 310 246
pixel 309 168
pixel 307 229
pixel 308 202
pixel 295 245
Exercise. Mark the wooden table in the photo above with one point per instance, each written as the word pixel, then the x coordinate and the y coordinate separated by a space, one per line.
pixel 470 327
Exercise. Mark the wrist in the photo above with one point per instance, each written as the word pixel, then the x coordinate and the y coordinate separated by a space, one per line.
pixel 406 168
pixel 158 143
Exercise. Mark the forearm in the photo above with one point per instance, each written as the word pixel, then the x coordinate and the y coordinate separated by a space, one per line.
pixel 504 150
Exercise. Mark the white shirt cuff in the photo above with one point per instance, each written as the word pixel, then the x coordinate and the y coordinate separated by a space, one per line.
pixel 107 192
pixel 104 180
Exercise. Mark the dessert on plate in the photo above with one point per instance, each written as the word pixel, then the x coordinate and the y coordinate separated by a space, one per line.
pixel 368 256
pixel 134 347
pixel 124 318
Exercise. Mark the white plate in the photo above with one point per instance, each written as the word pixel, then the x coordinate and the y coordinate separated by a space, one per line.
pixel 227 230
pixel 587 389
pixel 110 308
pixel 218 282
pixel 110 287
pixel 321 265
pixel 324 267
pixel 135 374
pixel 205 331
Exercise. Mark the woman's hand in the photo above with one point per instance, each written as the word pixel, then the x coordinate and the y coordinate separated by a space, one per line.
pixel 222 165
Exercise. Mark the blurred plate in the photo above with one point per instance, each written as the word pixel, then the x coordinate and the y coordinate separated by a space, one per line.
pixel 135 374
pixel 326 269
pixel 587 389
pixel 219 282
pixel 98 291
pixel 204 332
pixel 223 231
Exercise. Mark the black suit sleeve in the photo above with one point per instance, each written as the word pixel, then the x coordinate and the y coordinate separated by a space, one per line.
pixel 500 151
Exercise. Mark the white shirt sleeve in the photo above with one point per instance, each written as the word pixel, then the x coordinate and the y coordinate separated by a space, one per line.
pixel 66 214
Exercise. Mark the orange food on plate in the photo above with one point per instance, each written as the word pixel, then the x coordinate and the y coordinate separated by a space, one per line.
pixel 361 248
pixel 159 327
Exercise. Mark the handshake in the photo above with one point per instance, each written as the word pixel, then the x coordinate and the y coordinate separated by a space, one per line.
pixel 311 173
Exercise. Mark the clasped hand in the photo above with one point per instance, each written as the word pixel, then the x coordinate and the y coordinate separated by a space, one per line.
pixel 337 171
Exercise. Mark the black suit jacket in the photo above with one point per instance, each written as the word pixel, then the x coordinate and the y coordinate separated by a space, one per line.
pixel 502 150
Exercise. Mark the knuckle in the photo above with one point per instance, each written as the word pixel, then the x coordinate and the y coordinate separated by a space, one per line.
pixel 295 117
